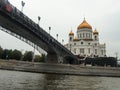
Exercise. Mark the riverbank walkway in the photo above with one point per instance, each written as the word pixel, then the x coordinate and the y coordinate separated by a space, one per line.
pixel 65 69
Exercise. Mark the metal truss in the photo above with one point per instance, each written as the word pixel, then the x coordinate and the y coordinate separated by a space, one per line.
pixel 41 51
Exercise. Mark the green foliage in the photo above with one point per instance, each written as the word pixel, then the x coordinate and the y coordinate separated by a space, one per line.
pixel 37 58
pixel 28 56
pixel 1 51
pixel 16 55
pixel 7 54
pixel 42 59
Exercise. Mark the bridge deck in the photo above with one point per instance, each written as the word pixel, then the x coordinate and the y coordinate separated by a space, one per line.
pixel 15 21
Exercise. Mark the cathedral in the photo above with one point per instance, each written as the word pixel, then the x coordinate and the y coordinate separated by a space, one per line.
pixel 86 42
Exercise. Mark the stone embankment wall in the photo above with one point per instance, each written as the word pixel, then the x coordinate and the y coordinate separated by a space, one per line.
pixel 65 69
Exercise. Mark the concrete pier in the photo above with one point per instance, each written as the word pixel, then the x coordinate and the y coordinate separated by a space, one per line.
pixel 65 69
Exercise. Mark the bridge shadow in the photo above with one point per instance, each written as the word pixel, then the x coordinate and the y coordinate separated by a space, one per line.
pixel 70 60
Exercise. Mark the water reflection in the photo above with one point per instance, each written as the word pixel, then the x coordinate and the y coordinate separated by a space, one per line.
pixel 60 82
pixel 12 80
pixel 54 82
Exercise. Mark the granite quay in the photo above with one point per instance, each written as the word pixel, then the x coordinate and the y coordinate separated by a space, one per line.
pixel 64 69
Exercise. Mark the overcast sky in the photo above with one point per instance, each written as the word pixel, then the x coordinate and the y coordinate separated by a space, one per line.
pixel 64 15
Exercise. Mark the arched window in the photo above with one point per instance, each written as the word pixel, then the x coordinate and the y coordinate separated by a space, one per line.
pixel 80 35
pixel 95 51
pixel 70 38
pixel 83 35
pixel 89 35
pixel 86 35
pixel 95 37
pixel 82 50
pixel 89 50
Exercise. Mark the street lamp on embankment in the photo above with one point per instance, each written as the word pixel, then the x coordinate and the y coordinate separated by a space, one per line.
pixel 23 4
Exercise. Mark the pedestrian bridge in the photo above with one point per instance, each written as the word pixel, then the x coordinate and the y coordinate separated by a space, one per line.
pixel 14 22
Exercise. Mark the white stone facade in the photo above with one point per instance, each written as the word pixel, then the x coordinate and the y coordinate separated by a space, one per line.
pixel 86 42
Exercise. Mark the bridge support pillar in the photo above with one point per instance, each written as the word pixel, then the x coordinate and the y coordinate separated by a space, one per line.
pixel 60 59
pixel 54 58
pixel 51 58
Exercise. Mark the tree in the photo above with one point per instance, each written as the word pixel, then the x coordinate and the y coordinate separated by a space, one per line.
pixel 1 51
pixel 28 56
pixel 37 58
pixel 7 54
pixel 16 55
pixel 42 58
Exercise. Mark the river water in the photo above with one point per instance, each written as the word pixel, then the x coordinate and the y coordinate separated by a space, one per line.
pixel 14 80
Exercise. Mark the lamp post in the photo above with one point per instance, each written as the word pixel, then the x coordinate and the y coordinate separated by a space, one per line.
pixel 39 20
pixel 62 41
pixel 49 29
pixel 23 4
pixel 33 53
pixel 57 36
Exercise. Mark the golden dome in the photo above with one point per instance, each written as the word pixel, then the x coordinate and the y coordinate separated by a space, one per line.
pixel 84 24
pixel 71 33
pixel 95 32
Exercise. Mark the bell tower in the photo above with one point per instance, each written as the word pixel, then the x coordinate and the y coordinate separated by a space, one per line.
pixel 71 36
pixel 96 35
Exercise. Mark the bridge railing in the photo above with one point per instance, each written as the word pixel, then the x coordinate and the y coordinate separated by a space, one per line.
pixel 24 20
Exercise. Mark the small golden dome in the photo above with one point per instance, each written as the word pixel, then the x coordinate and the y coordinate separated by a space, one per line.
pixel 75 39
pixel 95 32
pixel 84 24
pixel 71 33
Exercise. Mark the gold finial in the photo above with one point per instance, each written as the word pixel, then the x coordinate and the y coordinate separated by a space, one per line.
pixel 84 18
